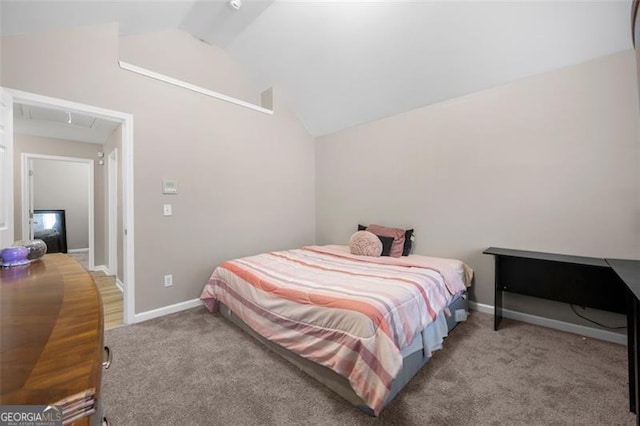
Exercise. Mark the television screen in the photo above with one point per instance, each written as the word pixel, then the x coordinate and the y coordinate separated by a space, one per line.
pixel 50 227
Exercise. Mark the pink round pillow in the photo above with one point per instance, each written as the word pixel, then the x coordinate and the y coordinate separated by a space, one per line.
pixel 364 243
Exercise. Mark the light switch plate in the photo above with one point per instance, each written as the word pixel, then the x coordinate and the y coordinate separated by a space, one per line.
pixel 167 209
pixel 169 186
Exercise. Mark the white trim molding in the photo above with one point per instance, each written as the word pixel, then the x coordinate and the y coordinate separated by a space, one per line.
pixel 166 310
pixel 102 268
pixel 7 234
pixel 119 285
pixel 112 210
pixel 568 327
pixel 166 79
pixel 80 250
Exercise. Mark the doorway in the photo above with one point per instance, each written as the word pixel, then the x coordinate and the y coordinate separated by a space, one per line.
pixel 10 98
pixel 60 183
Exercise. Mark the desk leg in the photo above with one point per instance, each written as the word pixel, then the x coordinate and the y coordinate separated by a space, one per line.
pixel 497 299
pixel 631 349
pixel 635 357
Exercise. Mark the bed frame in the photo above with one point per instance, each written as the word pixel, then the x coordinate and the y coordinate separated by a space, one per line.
pixel 412 363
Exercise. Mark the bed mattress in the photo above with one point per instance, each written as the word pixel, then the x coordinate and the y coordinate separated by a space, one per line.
pixel 414 357
pixel 360 317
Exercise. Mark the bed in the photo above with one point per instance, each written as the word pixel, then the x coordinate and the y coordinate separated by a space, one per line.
pixel 363 326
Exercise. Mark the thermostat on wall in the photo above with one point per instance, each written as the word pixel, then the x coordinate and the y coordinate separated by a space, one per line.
pixel 169 186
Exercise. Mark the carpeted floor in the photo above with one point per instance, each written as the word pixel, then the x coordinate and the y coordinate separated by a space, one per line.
pixel 195 368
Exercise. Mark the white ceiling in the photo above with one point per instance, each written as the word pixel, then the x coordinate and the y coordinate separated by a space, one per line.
pixel 61 124
pixel 339 64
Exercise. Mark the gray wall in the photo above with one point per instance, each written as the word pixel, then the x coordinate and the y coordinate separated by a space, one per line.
pixel 246 179
pixel 549 163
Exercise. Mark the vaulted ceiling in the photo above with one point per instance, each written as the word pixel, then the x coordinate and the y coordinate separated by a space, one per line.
pixel 339 64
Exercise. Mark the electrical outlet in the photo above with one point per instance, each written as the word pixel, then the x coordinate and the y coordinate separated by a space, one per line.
pixel 168 280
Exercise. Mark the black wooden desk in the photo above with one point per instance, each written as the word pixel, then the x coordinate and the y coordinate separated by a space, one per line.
pixel 579 280
pixel 606 284
pixel 629 273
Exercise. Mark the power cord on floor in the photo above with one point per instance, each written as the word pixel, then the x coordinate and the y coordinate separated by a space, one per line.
pixel 573 308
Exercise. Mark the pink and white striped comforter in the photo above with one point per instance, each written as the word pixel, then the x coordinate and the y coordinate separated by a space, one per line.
pixel 352 314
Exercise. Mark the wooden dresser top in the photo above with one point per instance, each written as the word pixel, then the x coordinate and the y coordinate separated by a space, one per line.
pixel 51 332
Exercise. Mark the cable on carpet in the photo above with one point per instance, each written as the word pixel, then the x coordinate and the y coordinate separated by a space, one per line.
pixel 573 308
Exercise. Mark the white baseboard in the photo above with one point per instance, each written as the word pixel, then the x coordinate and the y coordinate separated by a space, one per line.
pixel 581 330
pixel 166 310
pixel 102 268
pixel 80 250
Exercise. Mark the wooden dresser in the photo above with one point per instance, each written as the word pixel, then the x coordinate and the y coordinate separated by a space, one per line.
pixel 51 338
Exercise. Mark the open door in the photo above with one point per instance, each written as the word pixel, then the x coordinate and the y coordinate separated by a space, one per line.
pixel 6 169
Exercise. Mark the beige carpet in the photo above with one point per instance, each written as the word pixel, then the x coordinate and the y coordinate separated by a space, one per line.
pixel 194 368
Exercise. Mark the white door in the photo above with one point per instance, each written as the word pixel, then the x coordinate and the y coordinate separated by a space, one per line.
pixel 6 169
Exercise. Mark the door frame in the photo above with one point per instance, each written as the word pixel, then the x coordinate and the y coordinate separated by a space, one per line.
pixel 126 121
pixel 112 212
pixel 7 228
pixel 27 195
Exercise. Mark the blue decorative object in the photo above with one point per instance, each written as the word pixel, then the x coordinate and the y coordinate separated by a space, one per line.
pixel 14 256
